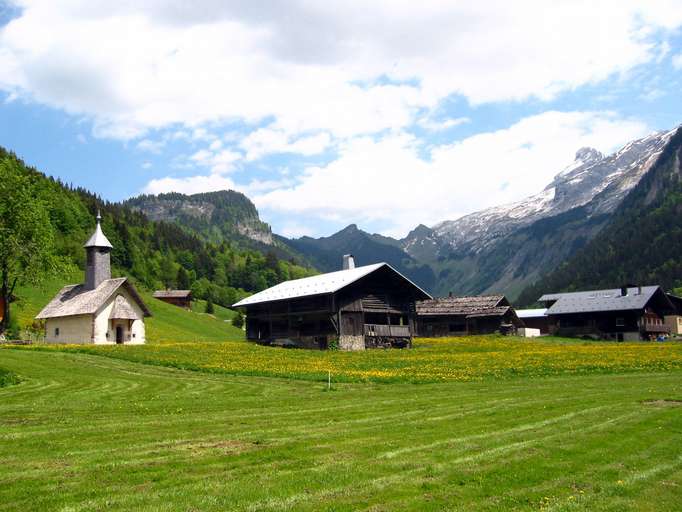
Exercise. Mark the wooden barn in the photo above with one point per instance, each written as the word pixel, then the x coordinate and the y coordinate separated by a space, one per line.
pixel 357 308
pixel 180 298
pixel 458 316
pixel 628 313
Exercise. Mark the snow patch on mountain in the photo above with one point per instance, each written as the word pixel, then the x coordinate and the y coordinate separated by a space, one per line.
pixel 592 179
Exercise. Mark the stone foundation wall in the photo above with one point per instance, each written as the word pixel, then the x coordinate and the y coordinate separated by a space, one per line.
pixel 347 342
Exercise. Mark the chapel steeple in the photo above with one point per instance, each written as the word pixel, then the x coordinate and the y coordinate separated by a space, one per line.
pixel 98 263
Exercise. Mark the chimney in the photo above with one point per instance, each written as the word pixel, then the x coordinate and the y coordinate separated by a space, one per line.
pixel 624 291
pixel 348 262
pixel 450 294
pixel 639 289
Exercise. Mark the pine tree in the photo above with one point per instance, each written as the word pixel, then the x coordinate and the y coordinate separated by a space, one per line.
pixel 182 279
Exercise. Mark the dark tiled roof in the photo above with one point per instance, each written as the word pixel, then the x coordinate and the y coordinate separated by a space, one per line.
pixel 599 300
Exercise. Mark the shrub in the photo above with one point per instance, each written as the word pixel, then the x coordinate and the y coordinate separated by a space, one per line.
pixel 238 320
pixel 209 307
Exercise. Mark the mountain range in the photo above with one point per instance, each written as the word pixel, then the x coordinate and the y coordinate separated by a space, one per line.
pixel 503 249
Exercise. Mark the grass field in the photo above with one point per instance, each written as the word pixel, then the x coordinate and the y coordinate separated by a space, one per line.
pixel 82 432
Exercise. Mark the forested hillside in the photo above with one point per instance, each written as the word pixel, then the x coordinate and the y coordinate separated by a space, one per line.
pixel 642 243
pixel 153 254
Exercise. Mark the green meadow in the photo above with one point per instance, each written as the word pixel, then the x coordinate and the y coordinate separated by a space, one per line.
pixel 199 419
pixel 84 432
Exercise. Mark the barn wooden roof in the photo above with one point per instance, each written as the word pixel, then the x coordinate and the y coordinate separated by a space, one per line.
pixel 172 294
pixel 484 305
pixel 76 300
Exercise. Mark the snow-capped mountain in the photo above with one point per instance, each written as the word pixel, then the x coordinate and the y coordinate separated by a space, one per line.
pixel 580 183
pixel 504 248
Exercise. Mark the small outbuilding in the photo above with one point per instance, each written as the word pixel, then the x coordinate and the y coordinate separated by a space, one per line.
pixel 357 308
pixel 459 316
pixel 535 319
pixel 102 310
pixel 180 298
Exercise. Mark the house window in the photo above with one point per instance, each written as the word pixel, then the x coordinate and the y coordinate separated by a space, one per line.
pixel 133 335
pixel 56 331
pixel 620 322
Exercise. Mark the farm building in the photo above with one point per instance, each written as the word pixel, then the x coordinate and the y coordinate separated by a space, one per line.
pixel 624 314
pixel 102 310
pixel 180 298
pixel 535 319
pixel 456 316
pixel 357 307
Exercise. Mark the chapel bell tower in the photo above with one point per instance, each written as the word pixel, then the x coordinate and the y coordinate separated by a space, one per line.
pixel 98 261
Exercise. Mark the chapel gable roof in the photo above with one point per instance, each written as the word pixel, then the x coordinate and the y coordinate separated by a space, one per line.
pixel 75 299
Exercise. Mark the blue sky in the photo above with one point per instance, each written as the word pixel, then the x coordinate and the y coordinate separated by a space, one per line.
pixel 387 115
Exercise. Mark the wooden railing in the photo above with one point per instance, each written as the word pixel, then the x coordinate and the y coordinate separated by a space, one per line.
pixel 397 331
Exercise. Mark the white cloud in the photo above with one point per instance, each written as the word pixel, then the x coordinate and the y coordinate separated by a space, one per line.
pixel 267 140
pixel 677 61
pixel 345 68
pixel 189 185
pixel 220 162
pixel 434 125
pixel 387 182
pixel 152 146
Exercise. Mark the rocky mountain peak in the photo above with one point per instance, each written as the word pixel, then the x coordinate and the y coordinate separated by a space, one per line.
pixel 587 155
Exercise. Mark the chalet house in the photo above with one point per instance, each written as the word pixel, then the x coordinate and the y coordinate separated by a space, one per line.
pixel 102 310
pixel 535 319
pixel 357 307
pixel 628 313
pixel 457 316
pixel 180 298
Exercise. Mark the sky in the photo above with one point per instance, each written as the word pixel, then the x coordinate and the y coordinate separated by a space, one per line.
pixel 387 113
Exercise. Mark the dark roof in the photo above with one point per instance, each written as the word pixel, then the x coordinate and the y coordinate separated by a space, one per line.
pixel 676 301
pixel 485 305
pixel 172 294
pixel 601 300
pixel 75 299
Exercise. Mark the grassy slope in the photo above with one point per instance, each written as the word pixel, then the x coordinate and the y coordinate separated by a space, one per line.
pixel 83 432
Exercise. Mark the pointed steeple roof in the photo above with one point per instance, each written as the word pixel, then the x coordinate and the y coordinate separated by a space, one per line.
pixel 98 239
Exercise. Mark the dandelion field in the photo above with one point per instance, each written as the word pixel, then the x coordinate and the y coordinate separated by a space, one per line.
pixel 430 360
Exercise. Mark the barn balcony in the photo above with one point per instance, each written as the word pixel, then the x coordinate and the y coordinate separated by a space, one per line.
pixel 393 331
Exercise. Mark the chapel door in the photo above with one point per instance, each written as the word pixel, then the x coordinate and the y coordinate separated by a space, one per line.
pixel 119 334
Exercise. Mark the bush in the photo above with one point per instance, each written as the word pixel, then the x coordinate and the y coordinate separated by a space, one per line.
pixel 13 331
pixel 238 320
pixel 209 307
